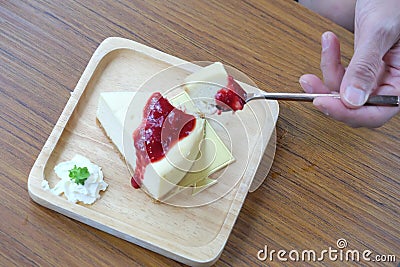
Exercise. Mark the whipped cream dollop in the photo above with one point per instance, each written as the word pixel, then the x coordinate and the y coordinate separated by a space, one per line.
pixel 87 193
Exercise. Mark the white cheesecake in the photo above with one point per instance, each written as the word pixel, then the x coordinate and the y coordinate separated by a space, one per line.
pixel 111 112
pixel 158 175
pixel 213 89
pixel 206 82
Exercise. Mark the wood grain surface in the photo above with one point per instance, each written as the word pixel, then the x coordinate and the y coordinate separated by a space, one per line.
pixel 328 181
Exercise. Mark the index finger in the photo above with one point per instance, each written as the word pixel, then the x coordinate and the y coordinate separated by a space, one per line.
pixel 366 116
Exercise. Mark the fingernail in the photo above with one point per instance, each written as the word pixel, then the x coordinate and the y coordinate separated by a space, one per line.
pixel 325 111
pixel 321 107
pixel 325 41
pixel 355 96
pixel 306 86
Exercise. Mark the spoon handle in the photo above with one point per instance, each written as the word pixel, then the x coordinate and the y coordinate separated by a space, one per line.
pixel 373 100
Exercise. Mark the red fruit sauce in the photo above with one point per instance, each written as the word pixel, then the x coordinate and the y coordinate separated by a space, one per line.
pixel 232 95
pixel 161 128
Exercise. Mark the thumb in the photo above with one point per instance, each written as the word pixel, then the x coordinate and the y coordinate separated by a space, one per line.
pixel 364 70
pixel 377 29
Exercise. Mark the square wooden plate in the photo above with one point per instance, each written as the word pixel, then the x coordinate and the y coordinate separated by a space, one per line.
pixel 195 235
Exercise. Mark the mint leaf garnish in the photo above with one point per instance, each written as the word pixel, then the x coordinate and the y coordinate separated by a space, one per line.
pixel 79 175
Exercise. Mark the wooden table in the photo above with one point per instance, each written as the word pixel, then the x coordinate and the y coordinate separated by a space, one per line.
pixel 328 181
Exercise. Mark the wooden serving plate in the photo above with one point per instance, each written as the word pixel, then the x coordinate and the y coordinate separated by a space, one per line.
pixel 192 235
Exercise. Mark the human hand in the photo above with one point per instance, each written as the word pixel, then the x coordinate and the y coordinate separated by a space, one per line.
pixel 374 68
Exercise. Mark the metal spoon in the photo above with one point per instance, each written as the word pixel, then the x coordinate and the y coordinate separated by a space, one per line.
pixel 373 100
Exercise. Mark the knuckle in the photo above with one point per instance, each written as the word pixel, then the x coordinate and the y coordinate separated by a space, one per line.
pixel 329 64
pixel 324 65
pixel 366 70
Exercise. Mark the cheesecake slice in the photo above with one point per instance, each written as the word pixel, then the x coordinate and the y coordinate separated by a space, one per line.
pixel 213 89
pixel 111 112
pixel 163 141
pixel 167 143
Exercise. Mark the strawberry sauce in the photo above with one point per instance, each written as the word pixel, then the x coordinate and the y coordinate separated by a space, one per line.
pixel 232 95
pixel 161 128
